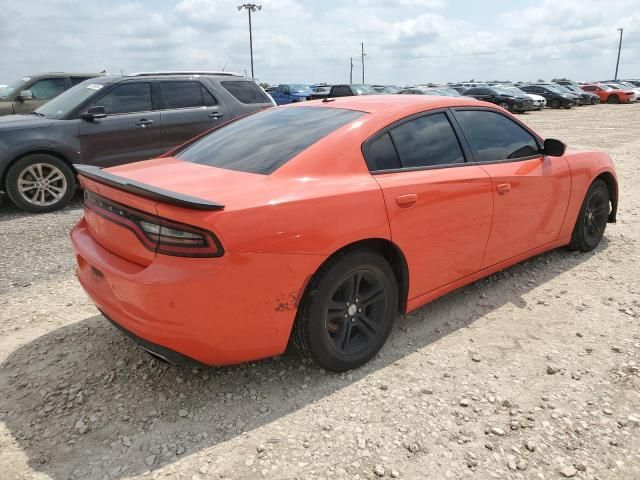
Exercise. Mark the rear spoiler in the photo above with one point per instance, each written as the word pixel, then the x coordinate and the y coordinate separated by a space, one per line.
pixel 144 190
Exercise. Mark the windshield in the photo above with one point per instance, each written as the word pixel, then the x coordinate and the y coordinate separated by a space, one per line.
pixel 551 88
pixel 66 102
pixel 562 89
pixel 449 92
pixel 299 88
pixel 514 91
pixel 9 89
pixel 362 89
pixel 502 91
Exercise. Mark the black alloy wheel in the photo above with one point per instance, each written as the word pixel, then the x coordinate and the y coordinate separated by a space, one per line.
pixel 355 312
pixel 592 219
pixel 348 310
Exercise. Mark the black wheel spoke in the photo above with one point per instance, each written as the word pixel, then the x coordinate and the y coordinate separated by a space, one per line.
pixel 372 298
pixel 336 306
pixel 355 311
pixel 602 210
pixel 344 334
pixel 369 328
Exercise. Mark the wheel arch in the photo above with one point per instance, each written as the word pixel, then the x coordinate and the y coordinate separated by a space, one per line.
pixel 389 251
pixel 36 151
pixel 612 185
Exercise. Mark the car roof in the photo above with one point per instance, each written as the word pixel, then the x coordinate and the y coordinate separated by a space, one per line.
pixel 390 104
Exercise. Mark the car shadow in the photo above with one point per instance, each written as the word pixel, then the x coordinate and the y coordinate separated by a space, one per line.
pixel 83 401
pixel 8 211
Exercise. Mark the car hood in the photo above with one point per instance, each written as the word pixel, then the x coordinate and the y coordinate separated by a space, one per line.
pixel 21 122
pixel 535 97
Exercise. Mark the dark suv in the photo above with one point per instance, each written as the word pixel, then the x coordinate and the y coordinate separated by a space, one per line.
pixel 29 93
pixel 112 120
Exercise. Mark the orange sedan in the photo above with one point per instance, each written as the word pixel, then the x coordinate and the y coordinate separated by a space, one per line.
pixel 321 222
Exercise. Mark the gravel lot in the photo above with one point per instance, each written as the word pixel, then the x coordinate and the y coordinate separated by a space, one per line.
pixel 531 373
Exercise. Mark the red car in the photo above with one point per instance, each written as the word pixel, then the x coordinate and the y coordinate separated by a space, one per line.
pixel 609 94
pixel 323 221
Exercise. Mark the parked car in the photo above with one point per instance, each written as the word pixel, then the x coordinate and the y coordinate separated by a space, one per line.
pixel 112 120
pixel 203 228
pixel 347 90
pixel 634 82
pixel 388 89
pixel 608 94
pixel 291 93
pixel 419 90
pixel 434 91
pixel 586 98
pixel 583 98
pixel 539 102
pixel 514 102
pixel 554 97
pixel 29 93
pixel 626 87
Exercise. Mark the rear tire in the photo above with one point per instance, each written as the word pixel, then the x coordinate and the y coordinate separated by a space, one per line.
pixel 555 103
pixel 40 183
pixel 348 310
pixel 592 219
pixel 613 99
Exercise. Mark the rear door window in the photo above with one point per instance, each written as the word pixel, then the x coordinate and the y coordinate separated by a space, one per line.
pixel 266 140
pixel 495 137
pixel 185 94
pixel 246 92
pixel 77 80
pixel 381 154
pixel 426 142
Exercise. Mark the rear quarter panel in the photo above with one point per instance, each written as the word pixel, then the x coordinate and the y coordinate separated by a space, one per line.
pixel 585 167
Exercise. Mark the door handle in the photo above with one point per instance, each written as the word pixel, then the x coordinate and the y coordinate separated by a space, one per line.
pixel 144 122
pixel 503 188
pixel 216 115
pixel 407 200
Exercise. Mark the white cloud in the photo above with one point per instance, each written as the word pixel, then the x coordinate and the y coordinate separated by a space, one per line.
pixel 406 41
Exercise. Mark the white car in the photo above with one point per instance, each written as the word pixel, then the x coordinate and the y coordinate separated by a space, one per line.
pixel 538 101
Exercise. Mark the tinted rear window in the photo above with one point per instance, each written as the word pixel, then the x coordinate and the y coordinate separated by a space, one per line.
pixel 246 92
pixel 264 141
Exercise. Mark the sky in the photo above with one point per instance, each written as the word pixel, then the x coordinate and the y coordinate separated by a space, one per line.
pixel 295 41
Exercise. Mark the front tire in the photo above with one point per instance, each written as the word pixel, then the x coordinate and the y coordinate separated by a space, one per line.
pixel 40 183
pixel 592 219
pixel 348 310
pixel 555 103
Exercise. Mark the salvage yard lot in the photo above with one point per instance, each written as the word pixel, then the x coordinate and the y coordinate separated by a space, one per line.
pixel 533 372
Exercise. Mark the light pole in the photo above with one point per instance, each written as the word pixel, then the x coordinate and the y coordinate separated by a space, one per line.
pixel 619 48
pixel 250 7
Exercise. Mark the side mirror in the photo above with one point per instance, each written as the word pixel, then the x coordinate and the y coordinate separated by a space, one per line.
pixel 25 95
pixel 554 148
pixel 94 113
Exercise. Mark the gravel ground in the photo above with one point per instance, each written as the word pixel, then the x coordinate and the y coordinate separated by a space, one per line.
pixel 531 373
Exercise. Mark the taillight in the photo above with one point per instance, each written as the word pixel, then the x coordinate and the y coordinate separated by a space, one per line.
pixel 157 234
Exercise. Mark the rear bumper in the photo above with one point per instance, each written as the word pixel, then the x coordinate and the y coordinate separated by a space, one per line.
pixel 214 311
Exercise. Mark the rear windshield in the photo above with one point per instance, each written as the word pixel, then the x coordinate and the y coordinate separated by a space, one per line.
pixel 264 141
pixel 246 91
